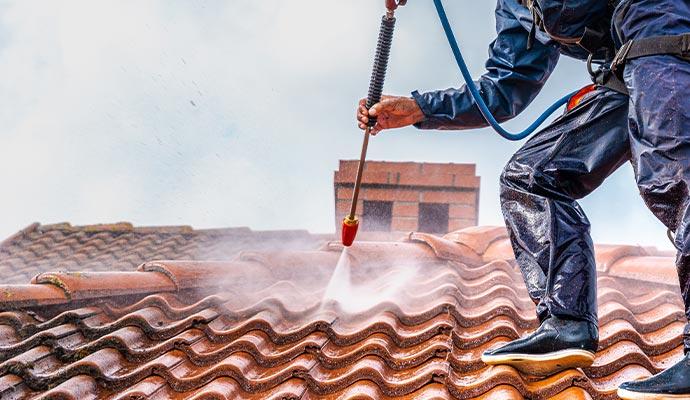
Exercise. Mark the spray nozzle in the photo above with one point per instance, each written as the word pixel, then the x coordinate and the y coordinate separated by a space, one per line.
pixel 350 226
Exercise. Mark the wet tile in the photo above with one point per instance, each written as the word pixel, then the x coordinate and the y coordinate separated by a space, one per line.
pixel 17 296
pixel 367 390
pixel 345 333
pixel 651 269
pixel 88 285
pixel 240 367
pixel 333 356
pixel 392 383
pixel 608 255
pixel 501 392
pixel 478 238
pixel 80 387
pixel 448 249
pixel 499 250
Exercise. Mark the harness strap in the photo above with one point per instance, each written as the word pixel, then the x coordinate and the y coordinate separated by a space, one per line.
pixel 593 39
pixel 611 81
pixel 677 45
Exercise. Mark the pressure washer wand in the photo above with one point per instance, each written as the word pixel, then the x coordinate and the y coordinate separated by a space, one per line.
pixel 378 75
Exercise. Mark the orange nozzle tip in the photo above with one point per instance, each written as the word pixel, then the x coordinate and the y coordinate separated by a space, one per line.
pixel 350 226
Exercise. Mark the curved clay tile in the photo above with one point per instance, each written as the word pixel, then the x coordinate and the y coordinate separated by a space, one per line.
pixel 89 285
pixel 501 392
pixel 623 352
pixel 653 343
pixel 447 249
pixel 391 383
pixel 80 387
pixel 478 238
pixel 368 390
pixel 650 269
pixel 398 358
pixel 344 333
pixel 204 352
pixel 500 249
pixel 26 296
pixel 227 389
pixel 607 255
pixel 184 376
pixel 195 274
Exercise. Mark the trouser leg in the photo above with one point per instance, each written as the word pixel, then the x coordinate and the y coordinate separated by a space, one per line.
pixel 539 186
pixel 660 142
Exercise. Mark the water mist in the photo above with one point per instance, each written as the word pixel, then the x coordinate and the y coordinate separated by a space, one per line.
pixel 371 286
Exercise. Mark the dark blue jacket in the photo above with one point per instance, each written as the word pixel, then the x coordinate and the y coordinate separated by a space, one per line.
pixel 515 75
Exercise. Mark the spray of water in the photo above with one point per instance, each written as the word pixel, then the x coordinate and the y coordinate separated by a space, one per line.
pixel 371 286
pixel 340 281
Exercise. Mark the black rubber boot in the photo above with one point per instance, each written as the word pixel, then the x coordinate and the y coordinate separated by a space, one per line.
pixel 557 345
pixel 673 383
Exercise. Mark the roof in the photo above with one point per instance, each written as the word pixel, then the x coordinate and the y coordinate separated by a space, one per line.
pixel 122 247
pixel 259 325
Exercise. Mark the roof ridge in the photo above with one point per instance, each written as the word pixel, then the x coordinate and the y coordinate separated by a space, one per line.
pixel 124 226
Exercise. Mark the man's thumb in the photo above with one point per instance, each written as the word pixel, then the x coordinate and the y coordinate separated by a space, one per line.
pixel 373 111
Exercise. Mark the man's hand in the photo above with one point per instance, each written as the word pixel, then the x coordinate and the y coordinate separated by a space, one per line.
pixel 391 112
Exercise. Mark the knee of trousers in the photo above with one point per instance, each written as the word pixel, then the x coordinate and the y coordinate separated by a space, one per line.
pixel 669 202
pixel 516 176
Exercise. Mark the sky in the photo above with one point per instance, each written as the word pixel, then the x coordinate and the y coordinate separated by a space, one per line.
pixel 236 113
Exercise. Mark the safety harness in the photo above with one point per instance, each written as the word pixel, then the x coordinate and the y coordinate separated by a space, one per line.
pixel 596 40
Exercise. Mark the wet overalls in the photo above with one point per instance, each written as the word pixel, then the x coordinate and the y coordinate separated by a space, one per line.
pixel 572 156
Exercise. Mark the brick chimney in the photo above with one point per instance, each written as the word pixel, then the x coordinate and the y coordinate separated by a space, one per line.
pixel 400 197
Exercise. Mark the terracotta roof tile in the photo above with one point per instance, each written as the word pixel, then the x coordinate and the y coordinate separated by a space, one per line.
pixel 448 250
pixel 31 295
pixel 365 389
pixel 257 326
pixel 87 285
pixel 478 238
pixel 499 250
pixel 608 255
pixel 650 269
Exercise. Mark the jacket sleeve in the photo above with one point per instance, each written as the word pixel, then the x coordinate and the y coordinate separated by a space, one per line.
pixel 514 76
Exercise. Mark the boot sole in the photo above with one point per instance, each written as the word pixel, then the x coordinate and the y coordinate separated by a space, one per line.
pixel 543 364
pixel 628 395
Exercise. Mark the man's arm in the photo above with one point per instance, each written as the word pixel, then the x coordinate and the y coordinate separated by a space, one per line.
pixel 514 76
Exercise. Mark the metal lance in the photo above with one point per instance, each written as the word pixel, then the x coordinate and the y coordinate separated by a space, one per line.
pixel 378 75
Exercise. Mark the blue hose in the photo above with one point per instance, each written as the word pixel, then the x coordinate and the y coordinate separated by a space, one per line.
pixel 475 93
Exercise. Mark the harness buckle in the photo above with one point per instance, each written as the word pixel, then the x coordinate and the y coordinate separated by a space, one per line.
pixel 619 60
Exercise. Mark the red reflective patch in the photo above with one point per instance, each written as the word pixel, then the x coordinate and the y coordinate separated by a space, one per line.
pixel 577 97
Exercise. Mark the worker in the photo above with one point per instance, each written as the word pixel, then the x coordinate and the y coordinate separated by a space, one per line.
pixel 643 117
